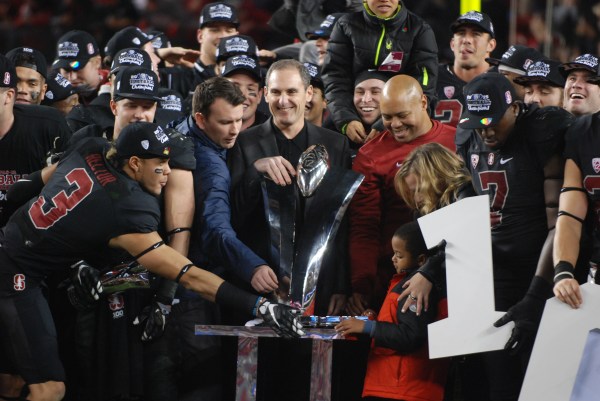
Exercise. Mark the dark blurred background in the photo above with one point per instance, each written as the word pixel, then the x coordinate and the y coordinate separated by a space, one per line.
pixel 39 23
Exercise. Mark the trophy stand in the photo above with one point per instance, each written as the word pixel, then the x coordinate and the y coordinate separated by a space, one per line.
pixel 298 247
pixel 247 358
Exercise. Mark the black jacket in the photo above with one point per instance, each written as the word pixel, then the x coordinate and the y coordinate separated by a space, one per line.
pixel 361 41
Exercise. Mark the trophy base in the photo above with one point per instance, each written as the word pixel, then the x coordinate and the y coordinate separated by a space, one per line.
pixel 326 321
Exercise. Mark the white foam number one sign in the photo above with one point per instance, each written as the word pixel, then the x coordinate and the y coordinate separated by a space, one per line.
pixel 564 361
pixel 465 225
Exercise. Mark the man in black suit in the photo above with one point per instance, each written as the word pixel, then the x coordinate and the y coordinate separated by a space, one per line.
pixel 271 151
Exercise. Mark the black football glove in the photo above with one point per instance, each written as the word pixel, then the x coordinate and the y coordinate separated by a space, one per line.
pixel 526 314
pixel 283 319
pixel 85 286
pixel 153 318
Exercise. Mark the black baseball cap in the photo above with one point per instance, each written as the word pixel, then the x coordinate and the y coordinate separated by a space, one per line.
pixel 144 140
pixel 74 50
pixel 29 58
pixel 242 64
pixel 326 27
pixel 315 75
pixel 170 106
pixel 588 62
pixel 59 88
pixel 8 74
pixel 518 57
pixel 218 12
pixel 371 74
pixel 237 45
pixel 130 57
pixel 543 71
pixel 159 39
pixel 477 18
pixel 487 98
pixel 127 37
pixel 136 83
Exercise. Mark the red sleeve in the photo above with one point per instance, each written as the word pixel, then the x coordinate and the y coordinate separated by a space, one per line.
pixel 365 216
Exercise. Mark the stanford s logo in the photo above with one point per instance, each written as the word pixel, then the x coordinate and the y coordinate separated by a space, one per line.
pixel 116 302
pixel 449 91
pixel 19 282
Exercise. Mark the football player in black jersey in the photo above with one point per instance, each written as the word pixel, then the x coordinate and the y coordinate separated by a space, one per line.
pixel 217 20
pixel 472 42
pixel 514 63
pixel 97 199
pixel 579 205
pixel 514 154
pixel 27 134
pixel 542 84
pixel 582 97
pixel 32 73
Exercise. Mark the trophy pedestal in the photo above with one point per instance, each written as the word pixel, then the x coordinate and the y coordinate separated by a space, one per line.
pixel 247 358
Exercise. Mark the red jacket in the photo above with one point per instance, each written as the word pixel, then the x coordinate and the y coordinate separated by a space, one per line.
pixel 376 210
pixel 399 366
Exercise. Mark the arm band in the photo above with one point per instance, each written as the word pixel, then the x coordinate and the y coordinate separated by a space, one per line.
pixel 563 213
pixel 230 296
pixel 150 248
pixel 563 270
pixel 183 270
pixel 178 230
pixel 567 189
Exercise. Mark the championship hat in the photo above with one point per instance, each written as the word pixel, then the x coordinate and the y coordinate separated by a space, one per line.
pixel 8 74
pixel 136 83
pixel 326 27
pixel 371 74
pixel 481 20
pixel 74 50
pixel 315 75
pixel 127 37
pixel 159 39
pixel 144 140
pixel 242 64
pixel 487 98
pixel 517 57
pixel 237 45
pixel 29 58
pixel 59 88
pixel 130 57
pixel 543 71
pixel 170 106
pixel 218 12
pixel 588 62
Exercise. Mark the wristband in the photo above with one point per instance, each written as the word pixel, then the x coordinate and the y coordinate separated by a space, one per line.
pixel 563 270
pixel 230 296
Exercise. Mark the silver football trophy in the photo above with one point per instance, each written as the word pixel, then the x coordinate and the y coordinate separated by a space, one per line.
pixel 321 196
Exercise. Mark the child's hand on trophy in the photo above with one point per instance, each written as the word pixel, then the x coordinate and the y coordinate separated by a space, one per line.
pixel 350 326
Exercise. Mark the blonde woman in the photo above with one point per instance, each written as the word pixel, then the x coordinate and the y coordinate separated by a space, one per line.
pixel 430 178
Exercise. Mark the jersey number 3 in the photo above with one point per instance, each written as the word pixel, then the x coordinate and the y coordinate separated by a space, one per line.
pixel 44 214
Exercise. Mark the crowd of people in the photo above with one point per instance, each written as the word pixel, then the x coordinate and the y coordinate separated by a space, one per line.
pixel 135 203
